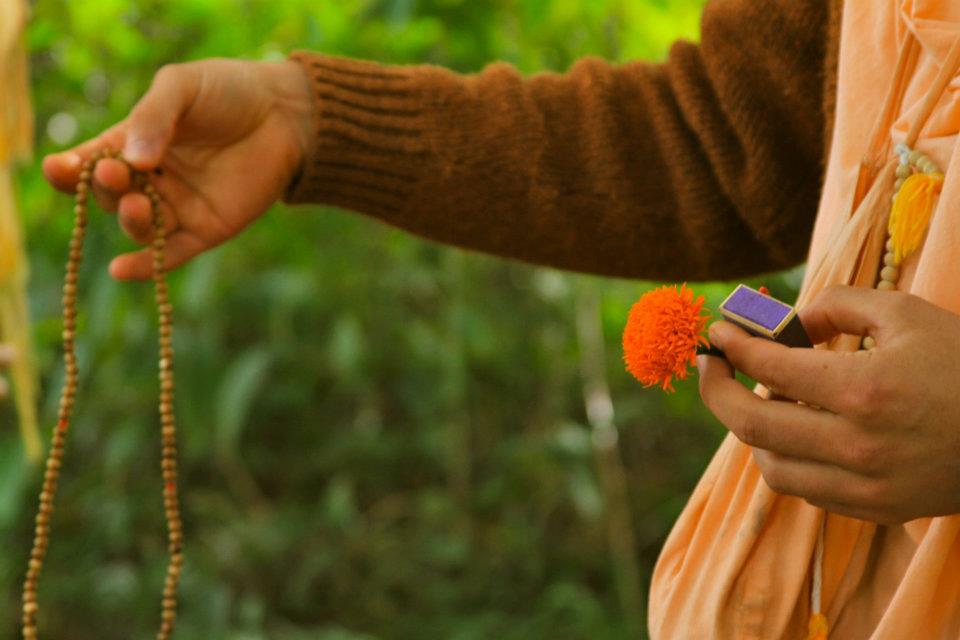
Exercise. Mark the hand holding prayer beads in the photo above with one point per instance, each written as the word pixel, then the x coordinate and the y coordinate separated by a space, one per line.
pixel 168 458
pixel 228 135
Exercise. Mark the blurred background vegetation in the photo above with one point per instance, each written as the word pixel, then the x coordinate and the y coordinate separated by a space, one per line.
pixel 371 447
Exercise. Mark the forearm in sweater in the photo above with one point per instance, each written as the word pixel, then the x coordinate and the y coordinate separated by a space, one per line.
pixel 705 167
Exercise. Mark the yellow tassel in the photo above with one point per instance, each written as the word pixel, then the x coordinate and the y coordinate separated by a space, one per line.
pixel 818 627
pixel 911 212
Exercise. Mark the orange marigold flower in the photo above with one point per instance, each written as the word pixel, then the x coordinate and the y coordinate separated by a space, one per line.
pixel 663 331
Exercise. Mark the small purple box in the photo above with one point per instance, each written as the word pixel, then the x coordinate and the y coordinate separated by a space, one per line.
pixel 762 315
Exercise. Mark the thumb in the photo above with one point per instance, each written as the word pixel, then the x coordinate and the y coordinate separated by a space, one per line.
pixel 153 120
pixel 854 311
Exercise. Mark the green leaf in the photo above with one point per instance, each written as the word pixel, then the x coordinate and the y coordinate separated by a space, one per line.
pixel 237 392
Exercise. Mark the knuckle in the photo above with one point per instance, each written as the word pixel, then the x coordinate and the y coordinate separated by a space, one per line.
pixel 887 518
pixel 820 503
pixel 765 371
pixel 880 389
pixel 829 297
pixel 853 403
pixel 168 72
pixel 774 477
pixel 902 305
pixel 871 394
pixel 749 429
pixel 876 496
pixel 867 455
pixel 831 293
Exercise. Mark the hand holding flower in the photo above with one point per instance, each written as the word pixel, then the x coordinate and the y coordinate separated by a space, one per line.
pixel 884 444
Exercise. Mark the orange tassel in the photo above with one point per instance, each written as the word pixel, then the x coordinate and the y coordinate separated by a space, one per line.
pixel 818 627
pixel 911 213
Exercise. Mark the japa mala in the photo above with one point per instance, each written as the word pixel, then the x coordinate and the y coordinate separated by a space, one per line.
pixel 168 457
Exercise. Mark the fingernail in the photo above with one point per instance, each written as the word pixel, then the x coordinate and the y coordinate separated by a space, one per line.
pixel 138 150
pixel 719 332
pixel 115 268
pixel 73 160
pixel 701 362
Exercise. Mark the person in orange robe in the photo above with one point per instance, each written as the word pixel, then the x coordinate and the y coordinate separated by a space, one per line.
pixel 876 464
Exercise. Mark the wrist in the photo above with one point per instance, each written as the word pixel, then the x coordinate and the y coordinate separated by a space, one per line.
pixel 293 101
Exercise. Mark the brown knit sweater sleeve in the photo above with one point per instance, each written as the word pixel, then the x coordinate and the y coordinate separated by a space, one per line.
pixel 707 166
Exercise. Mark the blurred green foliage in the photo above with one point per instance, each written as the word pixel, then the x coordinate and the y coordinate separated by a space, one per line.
pixel 371 448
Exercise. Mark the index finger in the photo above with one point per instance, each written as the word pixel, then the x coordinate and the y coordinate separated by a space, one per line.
pixel 815 376
pixel 62 170
pixel 786 428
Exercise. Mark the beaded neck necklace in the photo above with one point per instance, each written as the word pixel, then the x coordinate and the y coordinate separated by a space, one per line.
pixel 168 457
pixel 919 181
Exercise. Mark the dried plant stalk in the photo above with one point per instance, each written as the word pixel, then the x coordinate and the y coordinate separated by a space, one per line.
pixel 16 136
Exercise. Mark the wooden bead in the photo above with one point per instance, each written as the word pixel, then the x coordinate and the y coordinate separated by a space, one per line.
pixel 904 171
pixel 886 285
pixel 890 259
pixel 915 156
pixel 890 273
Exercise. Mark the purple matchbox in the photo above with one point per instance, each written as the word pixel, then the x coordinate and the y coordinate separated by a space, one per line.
pixel 764 316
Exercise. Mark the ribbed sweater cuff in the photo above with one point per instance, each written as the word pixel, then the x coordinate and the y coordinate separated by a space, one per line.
pixel 369 144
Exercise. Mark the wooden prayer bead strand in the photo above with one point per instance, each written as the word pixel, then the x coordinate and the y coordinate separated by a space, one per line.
pixel 168 459
pixel 41 539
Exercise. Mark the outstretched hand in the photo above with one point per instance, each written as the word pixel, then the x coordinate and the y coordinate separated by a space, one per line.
pixel 884 444
pixel 223 139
